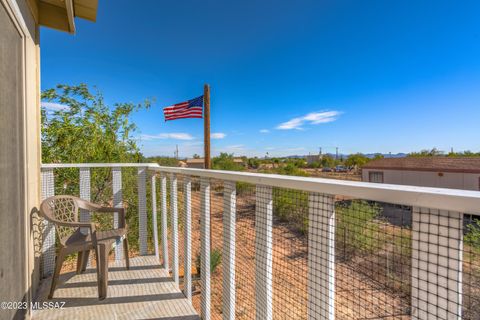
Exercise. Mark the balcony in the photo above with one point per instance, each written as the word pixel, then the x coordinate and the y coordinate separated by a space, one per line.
pixel 237 245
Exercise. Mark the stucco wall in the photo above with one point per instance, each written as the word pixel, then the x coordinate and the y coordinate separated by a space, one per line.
pixel 466 181
pixel 20 151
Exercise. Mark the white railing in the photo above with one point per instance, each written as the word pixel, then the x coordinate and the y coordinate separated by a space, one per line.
pixel 436 234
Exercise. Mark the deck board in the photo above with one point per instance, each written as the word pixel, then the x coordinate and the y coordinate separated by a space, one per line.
pixel 146 291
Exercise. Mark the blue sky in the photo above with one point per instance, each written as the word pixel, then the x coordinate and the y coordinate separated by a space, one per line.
pixel 287 77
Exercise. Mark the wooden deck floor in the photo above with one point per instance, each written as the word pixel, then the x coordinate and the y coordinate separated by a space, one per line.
pixel 144 292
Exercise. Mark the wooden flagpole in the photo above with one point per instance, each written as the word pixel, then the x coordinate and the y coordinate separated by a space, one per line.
pixel 206 126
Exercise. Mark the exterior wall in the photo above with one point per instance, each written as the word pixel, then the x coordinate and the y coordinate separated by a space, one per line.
pixel 452 180
pixel 195 165
pixel 20 151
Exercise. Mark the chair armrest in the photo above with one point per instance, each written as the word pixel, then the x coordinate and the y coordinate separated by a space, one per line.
pixel 86 205
pixel 88 225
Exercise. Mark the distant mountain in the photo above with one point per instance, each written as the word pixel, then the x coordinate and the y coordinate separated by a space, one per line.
pixel 388 155
pixel 344 156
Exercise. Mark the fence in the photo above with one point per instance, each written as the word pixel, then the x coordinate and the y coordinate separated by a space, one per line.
pixel 243 245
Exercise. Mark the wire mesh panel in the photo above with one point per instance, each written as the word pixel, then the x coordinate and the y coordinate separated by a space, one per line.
pixel 217 255
pixel 290 253
pixel 245 251
pixel 436 264
pixel 471 267
pixel 48 229
pixel 372 261
pixel 196 240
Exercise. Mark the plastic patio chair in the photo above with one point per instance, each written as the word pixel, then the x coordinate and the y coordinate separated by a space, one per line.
pixel 81 237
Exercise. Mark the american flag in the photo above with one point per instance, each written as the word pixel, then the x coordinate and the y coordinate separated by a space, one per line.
pixel 189 109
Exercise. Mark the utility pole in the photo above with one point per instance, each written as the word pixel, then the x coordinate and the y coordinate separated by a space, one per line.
pixel 336 153
pixel 320 153
pixel 176 152
pixel 206 129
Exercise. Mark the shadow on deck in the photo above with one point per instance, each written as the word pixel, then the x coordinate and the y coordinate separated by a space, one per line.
pixel 146 291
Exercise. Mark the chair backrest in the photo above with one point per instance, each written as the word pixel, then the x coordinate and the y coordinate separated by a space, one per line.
pixel 63 209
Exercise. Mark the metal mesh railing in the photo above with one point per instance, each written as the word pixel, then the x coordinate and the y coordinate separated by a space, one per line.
pixel 275 252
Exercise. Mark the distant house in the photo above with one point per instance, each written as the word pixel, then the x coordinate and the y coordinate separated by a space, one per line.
pixel 439 172
pixel 196 163
pixel 199 163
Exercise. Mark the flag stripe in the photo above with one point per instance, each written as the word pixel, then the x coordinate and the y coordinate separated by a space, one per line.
pixel 183 110
pixel 189 109
pixel 177 106
pixel 184 115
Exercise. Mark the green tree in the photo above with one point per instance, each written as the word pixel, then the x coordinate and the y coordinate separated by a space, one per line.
pixel 327 161
pixel 164 161
pixel 427 153
pixel 356 160
pixel 88 130
pixel 226 161
pixel 466 153
pixel 253 163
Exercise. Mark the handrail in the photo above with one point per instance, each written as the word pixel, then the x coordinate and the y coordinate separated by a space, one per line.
pixel 439 198
pixel 97 165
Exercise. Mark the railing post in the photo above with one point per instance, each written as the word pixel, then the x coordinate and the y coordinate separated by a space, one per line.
pixel 85 195
pixel 187 264
pixel 174 208
pixel 321 257
pixel 205 248
pixel 229 223
pixel 163 184
pixel 153 182
pixel 142 210
pixel 117 203
pixel 263 252
pixel 437 250
pixel 48 234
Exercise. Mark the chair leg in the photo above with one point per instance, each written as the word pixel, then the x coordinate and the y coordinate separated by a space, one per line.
pixel 125 252
pixel 79 261
pixel 56 273
pixel 103 271
pixel 85 257
pixel 97 259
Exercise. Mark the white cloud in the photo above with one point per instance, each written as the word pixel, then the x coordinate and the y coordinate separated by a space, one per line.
pixel 52 106
pixel 218 135
pixel 311 118
pixel 264 131
pixel 161 136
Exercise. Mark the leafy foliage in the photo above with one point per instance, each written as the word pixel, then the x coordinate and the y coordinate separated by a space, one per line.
pixel 88 130
pixel 291 206
pixel 164 161
pixel 427 153
pixel 215 260
pixel 472 237
pixel 356 160
pixel 327 161
pixel 226 161
pixel 356 228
